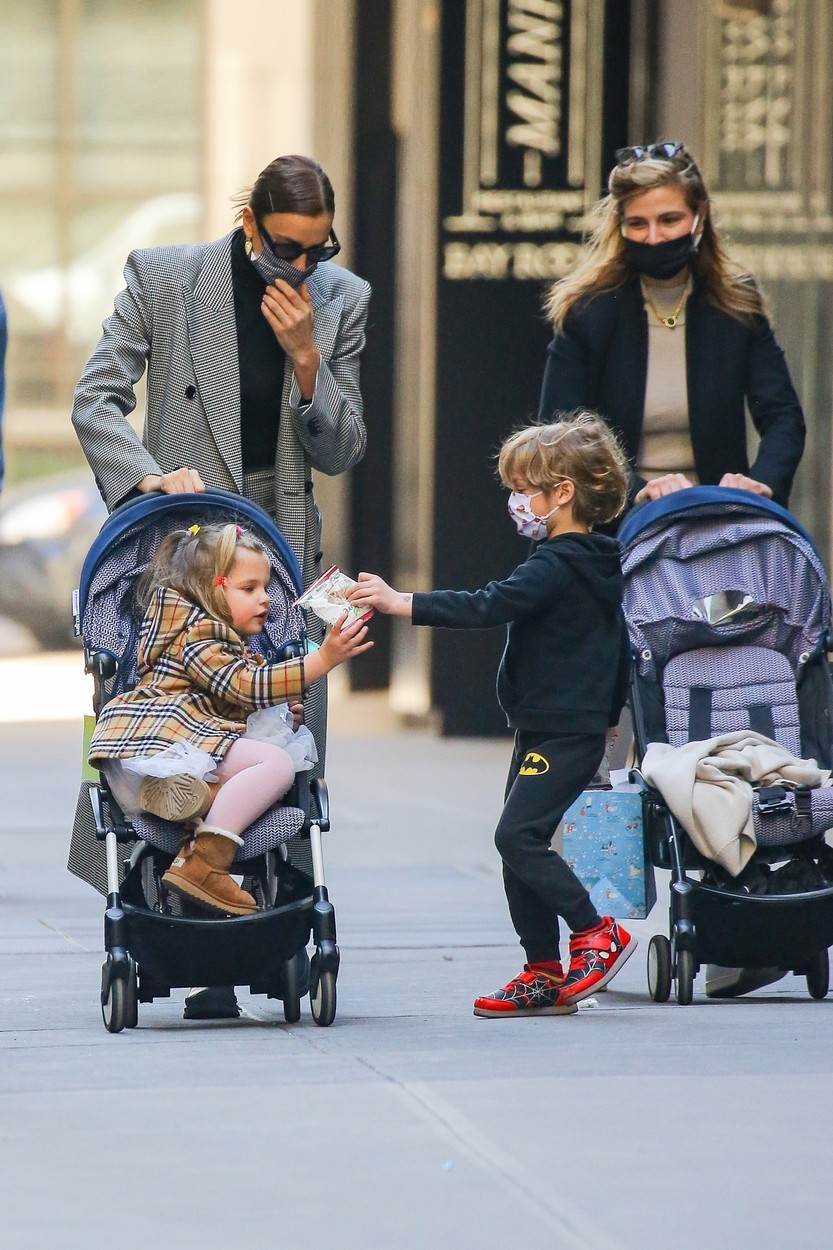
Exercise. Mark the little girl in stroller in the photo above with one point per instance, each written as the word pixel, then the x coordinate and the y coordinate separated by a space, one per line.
pixel 206 592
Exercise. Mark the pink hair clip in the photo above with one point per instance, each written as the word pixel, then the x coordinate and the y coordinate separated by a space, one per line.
pixel 239 529
pixel 220 580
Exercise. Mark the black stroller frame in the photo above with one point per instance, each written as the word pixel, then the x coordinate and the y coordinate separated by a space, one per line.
pixel 714 925
pixel 150 950
pixel 710 922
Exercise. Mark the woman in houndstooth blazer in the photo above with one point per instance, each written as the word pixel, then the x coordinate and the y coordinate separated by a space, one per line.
pixel 179 317
pixel 252 346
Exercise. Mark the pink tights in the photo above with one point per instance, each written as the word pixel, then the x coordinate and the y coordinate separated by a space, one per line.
pixel 253 776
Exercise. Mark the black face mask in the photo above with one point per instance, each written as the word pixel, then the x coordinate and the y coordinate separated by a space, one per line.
pixel 661 260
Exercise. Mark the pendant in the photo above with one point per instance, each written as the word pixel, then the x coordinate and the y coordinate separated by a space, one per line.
pixel 669 322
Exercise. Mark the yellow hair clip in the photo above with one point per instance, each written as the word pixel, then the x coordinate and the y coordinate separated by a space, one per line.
pixel 194 529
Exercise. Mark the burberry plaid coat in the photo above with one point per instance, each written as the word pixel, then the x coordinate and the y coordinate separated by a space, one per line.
pixel 175 317
pixel 197 683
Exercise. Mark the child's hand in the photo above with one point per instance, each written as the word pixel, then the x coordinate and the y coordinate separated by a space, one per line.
pixel 297 710
pixel 343 642
pixel 373 592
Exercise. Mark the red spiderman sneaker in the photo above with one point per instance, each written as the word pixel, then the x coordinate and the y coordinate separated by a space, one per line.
pixel 595 957
pixel 534 992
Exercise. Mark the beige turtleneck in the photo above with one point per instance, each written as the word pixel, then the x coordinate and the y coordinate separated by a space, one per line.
pixel 666 435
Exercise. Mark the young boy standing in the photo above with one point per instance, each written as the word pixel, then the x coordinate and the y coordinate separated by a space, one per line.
pixel 562 684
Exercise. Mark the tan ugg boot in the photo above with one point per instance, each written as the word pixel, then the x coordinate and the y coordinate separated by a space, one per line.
pixel 200 872
pixel 176 798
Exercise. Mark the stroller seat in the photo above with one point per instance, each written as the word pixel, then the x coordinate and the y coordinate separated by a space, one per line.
pixel 718 690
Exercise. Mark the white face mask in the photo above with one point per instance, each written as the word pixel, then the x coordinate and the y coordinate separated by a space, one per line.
pixel 527 523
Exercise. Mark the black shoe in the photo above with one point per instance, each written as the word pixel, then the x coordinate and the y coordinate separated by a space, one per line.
pixel 213 1002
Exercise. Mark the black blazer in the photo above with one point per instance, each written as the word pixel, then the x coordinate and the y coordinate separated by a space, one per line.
pixel 599 360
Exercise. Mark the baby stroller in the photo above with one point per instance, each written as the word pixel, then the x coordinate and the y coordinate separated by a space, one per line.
pixel 728 610
pixel 152 943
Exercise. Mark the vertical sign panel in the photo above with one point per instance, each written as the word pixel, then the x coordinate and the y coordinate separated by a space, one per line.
pixel 768 160
pixel 527 126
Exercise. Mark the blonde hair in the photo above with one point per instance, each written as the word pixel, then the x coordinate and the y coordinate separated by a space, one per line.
pixel 579 447
pixel 191 562
pixel 602 265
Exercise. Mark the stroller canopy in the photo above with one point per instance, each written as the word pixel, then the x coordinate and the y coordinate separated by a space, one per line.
pixel 108 612
pixel 711 565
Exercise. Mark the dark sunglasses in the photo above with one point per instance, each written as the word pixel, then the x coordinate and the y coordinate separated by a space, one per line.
pixel 292 250
pixel 659 151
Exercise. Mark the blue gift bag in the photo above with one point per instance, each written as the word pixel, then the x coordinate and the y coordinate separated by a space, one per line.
pixel 603 843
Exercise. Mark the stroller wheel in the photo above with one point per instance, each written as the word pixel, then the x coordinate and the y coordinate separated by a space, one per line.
pixel 818 975
pixel 659 968
pixel 113 1007
pixel 291 991
pixel 322 998
pixel 131 999
pixel 685 977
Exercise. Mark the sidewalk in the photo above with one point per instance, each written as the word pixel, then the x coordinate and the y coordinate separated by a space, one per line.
pixel 410 1123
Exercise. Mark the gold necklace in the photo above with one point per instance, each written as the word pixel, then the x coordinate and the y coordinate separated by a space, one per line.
pixel 669 322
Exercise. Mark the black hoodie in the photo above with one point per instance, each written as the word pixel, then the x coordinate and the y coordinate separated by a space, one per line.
pixel 567 658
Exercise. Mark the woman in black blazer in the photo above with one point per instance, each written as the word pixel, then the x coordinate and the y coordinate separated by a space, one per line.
pixel 659 332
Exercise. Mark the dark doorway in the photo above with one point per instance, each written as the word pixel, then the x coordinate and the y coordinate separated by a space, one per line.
pixel 374 217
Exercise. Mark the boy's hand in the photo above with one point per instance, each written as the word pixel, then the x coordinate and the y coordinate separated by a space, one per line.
pixel 373 592
pixel 297 710
pixel 344 641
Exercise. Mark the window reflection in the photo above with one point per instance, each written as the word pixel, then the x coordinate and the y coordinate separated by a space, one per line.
pixel 100 137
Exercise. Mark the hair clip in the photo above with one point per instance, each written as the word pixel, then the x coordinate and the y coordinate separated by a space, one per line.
pixel 239 529
pixel 194 529
pixel 220 580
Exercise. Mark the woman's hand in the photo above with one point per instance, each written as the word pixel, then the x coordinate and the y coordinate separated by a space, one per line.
pixel 178 482
pixel 297 710
pixel 290 314
pixel 741 482
pixel 665 485
pixel 373 592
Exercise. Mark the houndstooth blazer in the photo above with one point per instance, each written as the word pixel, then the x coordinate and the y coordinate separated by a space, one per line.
pixel 175 317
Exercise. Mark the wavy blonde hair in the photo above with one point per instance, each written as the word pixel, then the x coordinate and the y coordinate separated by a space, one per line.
pixel 190 563
pixel 579 447
pixel 602 265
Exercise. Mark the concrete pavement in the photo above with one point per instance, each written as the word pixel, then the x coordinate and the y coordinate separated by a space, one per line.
pixel 409 1124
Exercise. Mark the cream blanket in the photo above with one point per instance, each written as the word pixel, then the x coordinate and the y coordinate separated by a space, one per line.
pixel 708 787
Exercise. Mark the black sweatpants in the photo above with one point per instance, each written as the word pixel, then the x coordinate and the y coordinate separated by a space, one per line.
pixel 547 774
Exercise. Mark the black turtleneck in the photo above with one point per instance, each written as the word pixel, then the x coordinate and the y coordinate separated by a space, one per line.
pixel 262 362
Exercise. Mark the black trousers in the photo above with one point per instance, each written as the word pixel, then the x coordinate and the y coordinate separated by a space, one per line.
pixel 546 775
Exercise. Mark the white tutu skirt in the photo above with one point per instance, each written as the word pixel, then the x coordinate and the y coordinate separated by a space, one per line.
pixel 271 724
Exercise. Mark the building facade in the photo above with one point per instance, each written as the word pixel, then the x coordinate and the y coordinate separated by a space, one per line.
pixel 466 140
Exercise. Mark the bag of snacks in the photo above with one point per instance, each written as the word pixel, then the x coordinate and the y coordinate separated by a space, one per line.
pixel 327 598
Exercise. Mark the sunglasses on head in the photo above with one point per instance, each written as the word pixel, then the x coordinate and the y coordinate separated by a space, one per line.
pixel 291 250
pixel 657 151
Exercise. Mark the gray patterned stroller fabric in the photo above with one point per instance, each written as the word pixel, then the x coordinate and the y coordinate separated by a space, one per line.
pixel 670 569
pixel 728 611
pixel 719 690
pixel 111 618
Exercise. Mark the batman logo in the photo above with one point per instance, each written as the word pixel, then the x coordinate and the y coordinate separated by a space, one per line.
pixel 534 765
